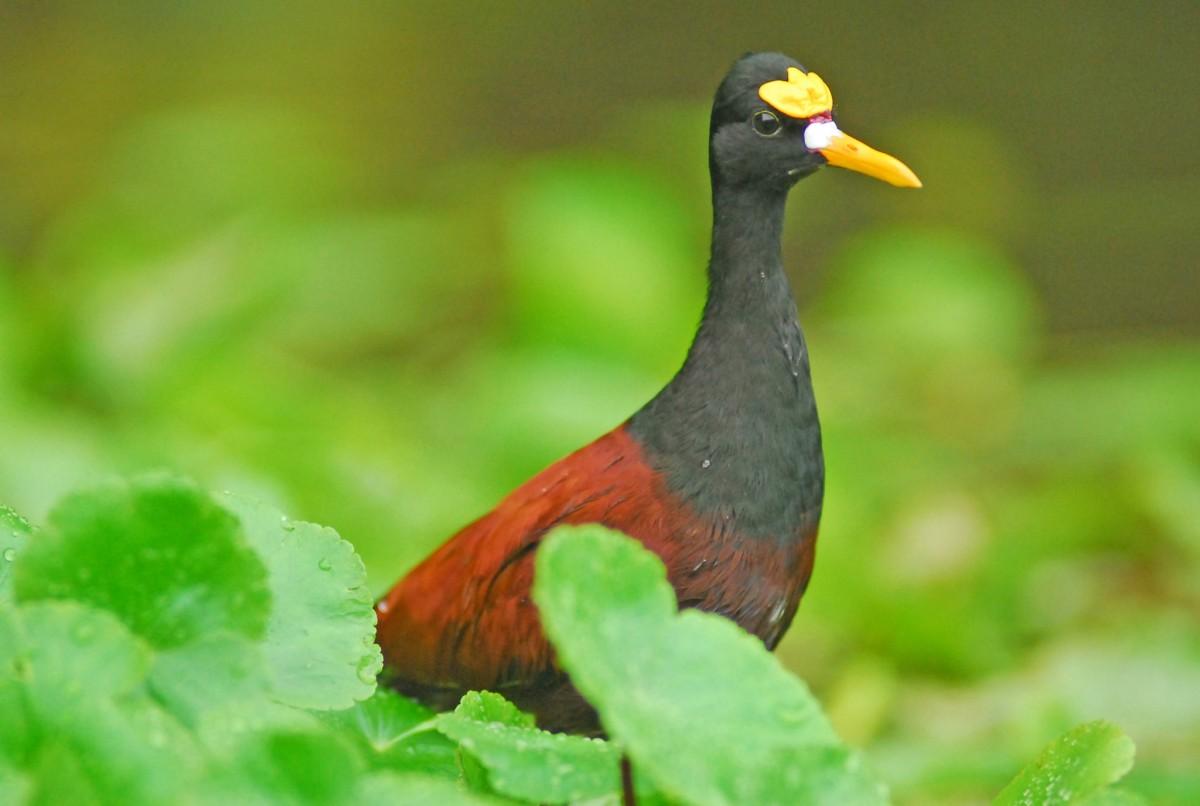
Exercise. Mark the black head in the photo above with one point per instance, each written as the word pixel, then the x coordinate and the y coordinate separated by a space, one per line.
pixel 772 124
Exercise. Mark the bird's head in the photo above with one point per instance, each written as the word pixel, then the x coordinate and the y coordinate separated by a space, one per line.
pixel 773 123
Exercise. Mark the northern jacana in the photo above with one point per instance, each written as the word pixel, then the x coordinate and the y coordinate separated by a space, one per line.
pixel 721 474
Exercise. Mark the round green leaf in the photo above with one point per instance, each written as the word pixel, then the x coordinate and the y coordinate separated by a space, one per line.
pixel 158 553
pixel 700 705
pixel 320 642
pixel 524 762
pixel 74 715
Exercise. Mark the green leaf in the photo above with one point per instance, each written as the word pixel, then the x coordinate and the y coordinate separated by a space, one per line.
pixel 391 789
pixel 208 674
pixel 219 687
pixel 14 530
pixel 285 766
pixel 320 643
pixel 524 762
pixel 487 706
pixel 74 715
pixel 1074 766
pixel 701 706
pixel 387 729
pixel 1113 796
pixel 158 553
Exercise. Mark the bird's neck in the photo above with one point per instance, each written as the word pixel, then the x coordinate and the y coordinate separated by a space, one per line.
pixel 735 433
pixel 747 229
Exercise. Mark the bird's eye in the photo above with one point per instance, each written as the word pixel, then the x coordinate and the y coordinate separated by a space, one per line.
pixel 766 123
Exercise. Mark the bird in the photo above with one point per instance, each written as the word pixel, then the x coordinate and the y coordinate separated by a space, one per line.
pixel 721 474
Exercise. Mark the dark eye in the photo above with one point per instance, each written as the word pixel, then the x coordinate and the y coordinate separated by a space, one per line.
pixel 766 123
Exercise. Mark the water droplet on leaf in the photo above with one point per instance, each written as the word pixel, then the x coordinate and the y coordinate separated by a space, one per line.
pixel 366 670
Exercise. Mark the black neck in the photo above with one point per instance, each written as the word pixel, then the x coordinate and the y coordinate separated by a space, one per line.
pixel 747 229
pixel 735 432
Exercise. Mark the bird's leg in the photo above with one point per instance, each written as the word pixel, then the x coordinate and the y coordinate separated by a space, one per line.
pixel 628 797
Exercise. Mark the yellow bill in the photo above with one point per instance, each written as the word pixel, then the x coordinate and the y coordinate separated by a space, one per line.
pixel 846 152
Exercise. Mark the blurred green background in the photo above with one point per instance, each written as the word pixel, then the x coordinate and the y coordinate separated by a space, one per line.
pixel 382 263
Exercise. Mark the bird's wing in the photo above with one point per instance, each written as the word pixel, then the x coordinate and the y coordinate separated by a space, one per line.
pixel 464 618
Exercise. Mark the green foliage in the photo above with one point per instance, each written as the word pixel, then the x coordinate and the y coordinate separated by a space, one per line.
pixel 213 681
pixel 103 702
pixel 599 249
pixel 526 763
pixel 390 789
pixel 887 278
pixel 1074 768
pixel 159 554
pixel 674 688
pixel 145 656
pixel 393 732
pixel 322 620
pixel 78 726
pixel 289 766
